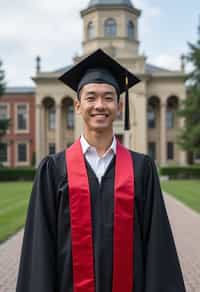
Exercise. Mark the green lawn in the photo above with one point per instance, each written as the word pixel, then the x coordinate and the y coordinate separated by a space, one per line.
pixel 187 191
pixel 14 199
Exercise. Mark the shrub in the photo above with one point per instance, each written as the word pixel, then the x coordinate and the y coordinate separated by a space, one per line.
pixel 15 174
pixel 181 172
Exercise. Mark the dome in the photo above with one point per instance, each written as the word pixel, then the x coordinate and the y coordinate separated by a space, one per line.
pixel 110 2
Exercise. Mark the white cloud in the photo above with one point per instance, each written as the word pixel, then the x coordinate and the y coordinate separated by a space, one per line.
pixel 52 29
pixel 167 61
pixel 150 13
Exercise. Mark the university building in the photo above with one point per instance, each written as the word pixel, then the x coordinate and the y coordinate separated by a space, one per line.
pixel 17 147
pixel 113 26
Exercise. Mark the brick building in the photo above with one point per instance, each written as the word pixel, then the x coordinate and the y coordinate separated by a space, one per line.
pixel 17 146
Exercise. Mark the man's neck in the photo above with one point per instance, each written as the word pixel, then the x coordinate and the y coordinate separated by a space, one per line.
pixel 100 140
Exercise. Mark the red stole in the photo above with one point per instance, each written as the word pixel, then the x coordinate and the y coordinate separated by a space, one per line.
pixel 81 223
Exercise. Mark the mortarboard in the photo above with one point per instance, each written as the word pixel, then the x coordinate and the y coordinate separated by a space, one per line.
pixel 101 68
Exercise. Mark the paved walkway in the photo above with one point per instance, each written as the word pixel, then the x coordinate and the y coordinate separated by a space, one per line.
pixel 186 228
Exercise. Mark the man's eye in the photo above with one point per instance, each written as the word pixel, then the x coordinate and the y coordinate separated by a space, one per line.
pixel 109 98
pixel 90 98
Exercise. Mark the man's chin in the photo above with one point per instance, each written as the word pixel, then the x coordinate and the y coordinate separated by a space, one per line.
pixel 100 128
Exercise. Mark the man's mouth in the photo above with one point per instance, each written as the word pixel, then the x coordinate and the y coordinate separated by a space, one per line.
pixel 100 115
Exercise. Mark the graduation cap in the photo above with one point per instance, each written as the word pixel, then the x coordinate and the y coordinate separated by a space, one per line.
pixel 101 68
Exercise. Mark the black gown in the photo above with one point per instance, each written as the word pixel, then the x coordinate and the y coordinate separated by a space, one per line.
pixel 46 259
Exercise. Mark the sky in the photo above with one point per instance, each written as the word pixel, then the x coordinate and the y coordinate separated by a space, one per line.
pixel 53 30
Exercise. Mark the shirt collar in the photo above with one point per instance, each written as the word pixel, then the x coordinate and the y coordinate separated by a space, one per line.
pixel 86 146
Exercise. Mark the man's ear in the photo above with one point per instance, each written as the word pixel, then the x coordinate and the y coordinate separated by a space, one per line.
pixel 77 105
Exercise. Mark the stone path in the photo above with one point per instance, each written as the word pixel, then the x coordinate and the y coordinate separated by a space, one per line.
pixel 186 229
pixel 9 262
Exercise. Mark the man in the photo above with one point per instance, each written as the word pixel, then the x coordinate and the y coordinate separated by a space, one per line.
pixel 96 219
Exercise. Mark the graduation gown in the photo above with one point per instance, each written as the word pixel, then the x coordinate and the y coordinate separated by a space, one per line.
pixel 46 258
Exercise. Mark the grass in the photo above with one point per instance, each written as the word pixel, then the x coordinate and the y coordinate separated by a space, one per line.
pixel 14 199
pixel 186 191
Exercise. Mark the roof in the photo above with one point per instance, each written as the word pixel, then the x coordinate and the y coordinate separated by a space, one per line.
pixel 63 69
pixel 20 89
pixel 152 69
pixel 110 2
pixel 149 70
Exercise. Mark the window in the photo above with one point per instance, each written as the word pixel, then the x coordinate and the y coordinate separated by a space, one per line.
pixel 70 117
pixel 110 28
pixel 170 150
pixel 151 118
pixel 52 148
pixel 22 117
pixel 90 31
pixel 51 118
pixel 22 152
pixel 152 150
pixel 3 111
pixel 3 152
pixel 197 156
pixel 130 30
pixel 170 119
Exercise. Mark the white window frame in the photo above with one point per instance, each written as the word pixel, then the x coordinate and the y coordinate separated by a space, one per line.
pixel 8 162
pixel 8 113
pixel 24 163
pixel 17 130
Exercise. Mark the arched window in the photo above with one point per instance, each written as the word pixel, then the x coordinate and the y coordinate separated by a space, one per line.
pixel 70 117
pixel 90 31
pixel 170 118
pixel 152 109
pixel 51 118
pixel 172 105
pixel 130 30
pixel 110 28
pixel 151 116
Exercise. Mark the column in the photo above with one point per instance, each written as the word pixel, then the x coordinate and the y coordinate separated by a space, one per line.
pixel 58 128
pixel 43 130
pixel 182 153
pixel 163 133
pixel 38 133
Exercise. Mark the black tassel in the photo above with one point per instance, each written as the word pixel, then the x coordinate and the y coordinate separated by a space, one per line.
pixel 126 117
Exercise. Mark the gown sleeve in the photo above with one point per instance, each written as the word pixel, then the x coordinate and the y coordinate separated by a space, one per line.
pixel 162 268
pixel 37 270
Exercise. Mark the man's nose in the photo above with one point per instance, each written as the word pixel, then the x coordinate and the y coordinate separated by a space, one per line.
pixel 99 104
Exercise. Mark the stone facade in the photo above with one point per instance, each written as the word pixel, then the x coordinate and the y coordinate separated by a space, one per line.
pixel 113 26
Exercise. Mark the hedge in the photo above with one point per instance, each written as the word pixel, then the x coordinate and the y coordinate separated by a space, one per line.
pixel 181 172
pixel 173 172
pixel 15 174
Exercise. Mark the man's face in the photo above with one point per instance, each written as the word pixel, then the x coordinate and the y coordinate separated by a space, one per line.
pixel 98 106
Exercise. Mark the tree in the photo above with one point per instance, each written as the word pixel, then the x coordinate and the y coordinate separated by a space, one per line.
pixel 189 137
pixel 4 123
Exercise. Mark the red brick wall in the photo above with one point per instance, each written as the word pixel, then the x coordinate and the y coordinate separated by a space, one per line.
pixel 12 137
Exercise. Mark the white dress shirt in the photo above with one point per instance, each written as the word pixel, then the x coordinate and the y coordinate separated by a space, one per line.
pixel 98 163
